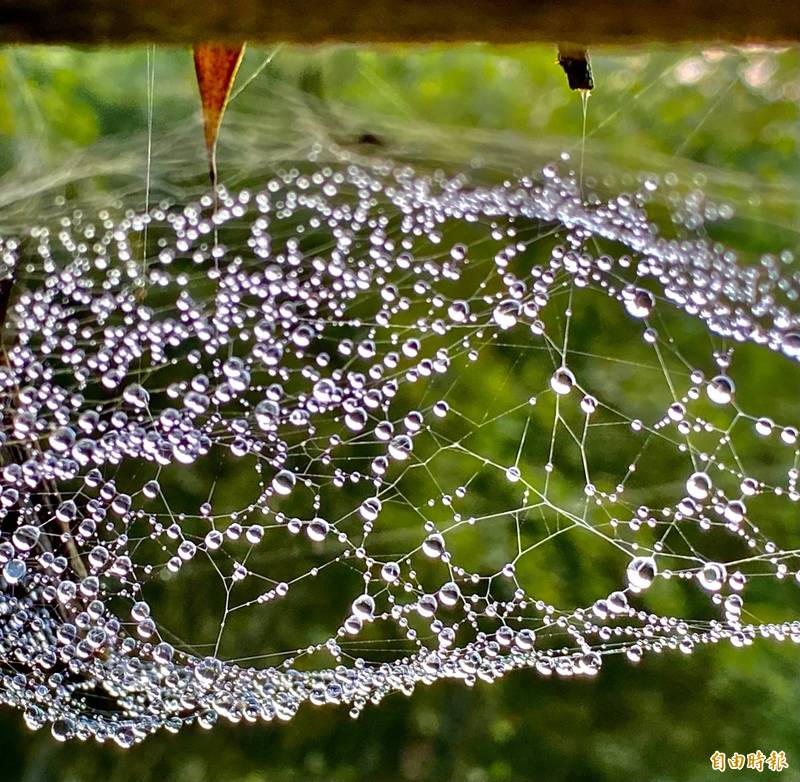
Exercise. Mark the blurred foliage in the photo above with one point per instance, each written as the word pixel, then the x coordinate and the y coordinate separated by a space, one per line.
pixel 732 117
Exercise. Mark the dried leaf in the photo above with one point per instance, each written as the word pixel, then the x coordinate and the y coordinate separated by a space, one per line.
pixel 575 62
pixel 216 67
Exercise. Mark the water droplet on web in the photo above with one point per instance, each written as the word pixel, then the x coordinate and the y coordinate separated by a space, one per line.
pixel 433 546
pixel 284 482
pixel 449 594
pixel 617 603
pixel 506 314
pixel 364 607
pixel 136 396
pixel 151 489
pixel 641 573
pixel 26 537
pixel 318 529
pixel 14 571
pixel 458 311
pixel 712 576
pixel 213 540
pixel 400 447
pixel 370 508
pixel 764 426
pixel 639 303
pixel 791 344
pixel 720 390
pixel 698 486
pixel 266 414
pixel 562 381
pixel 734 511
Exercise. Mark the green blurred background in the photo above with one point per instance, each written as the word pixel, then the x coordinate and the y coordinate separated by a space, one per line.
pixel 730 118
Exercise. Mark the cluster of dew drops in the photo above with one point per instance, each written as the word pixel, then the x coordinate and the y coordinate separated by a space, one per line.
pixel 283 358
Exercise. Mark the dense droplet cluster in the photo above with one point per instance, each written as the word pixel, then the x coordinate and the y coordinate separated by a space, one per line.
pixel 329 346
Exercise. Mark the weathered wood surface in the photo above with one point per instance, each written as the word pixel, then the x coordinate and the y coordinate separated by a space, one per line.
pixel 412 21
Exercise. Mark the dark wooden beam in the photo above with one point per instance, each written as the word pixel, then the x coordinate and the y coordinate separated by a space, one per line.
pixel 412 21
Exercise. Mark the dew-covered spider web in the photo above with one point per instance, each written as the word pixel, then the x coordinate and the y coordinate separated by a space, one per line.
pixel 354 425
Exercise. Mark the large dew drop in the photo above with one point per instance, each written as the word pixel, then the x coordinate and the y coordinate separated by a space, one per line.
pixel 562 381
pixel 641 573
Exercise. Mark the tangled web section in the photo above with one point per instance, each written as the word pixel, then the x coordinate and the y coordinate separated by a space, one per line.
pixel 359 429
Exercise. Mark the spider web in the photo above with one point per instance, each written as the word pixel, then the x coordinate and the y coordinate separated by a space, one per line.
pixel 364 425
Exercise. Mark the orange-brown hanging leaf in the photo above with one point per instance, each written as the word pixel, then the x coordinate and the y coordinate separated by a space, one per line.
pixel 216 67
